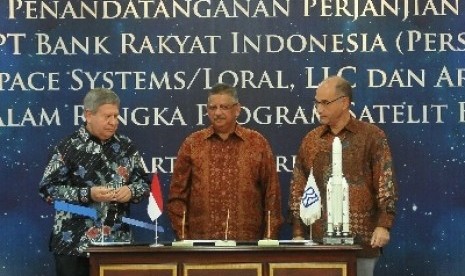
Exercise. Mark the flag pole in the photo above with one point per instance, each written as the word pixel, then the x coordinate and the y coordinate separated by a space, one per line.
pixel 156 244
pixel 156 232
pixel 310 235
pixel 310 232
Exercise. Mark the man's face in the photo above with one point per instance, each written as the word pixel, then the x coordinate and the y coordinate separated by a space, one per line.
pixel 330 106
pixel 222 112
pixel 104 122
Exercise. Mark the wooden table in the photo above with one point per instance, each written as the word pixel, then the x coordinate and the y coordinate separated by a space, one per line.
pixel 242 260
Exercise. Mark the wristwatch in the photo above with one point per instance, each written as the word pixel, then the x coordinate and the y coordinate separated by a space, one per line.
pixel 84 195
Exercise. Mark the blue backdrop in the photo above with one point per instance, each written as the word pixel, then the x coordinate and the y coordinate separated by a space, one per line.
pixel 405 59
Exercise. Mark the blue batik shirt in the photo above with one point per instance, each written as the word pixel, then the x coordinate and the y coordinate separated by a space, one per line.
pixel 82 161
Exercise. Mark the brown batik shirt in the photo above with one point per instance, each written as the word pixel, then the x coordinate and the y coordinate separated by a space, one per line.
pixel 368 169
pixel 213 176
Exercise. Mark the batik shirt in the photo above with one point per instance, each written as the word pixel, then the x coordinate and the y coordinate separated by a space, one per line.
pixel 214 177
pixel 78 163
pixel 368 169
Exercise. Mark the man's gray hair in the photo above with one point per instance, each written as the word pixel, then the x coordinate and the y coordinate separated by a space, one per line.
pixel 224 88
pixel 100 96
pixel 343 87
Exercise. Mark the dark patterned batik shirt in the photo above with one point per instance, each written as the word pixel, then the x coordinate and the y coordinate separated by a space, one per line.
pixel 368 169
pixel 78 163
pixel 213 177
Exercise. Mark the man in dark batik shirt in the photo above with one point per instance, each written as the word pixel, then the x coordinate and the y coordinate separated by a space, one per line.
pixel 96 168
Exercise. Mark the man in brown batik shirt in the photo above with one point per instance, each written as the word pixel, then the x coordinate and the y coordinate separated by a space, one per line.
pixel 225 170
pixel 367 167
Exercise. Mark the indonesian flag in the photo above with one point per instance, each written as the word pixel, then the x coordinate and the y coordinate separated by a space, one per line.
pixel 155 206
pixel 310 204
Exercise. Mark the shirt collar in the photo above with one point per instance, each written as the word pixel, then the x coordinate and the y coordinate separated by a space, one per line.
pixel 238 131
pixel 351 126
pixel 85 135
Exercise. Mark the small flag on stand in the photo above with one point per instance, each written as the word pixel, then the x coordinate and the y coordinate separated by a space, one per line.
pixel 310 205
pixel 155 206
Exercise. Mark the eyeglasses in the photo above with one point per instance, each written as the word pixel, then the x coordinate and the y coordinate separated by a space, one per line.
pixel 222 107
pixel 326 103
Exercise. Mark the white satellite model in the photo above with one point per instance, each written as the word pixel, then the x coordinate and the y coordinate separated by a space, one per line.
pixel 337 202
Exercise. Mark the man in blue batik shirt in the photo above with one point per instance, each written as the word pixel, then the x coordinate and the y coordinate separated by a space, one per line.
pixel 96 168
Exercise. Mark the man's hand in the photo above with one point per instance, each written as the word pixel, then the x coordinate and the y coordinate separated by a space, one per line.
pixel 101 194
pixel 380 237
pixel 122 194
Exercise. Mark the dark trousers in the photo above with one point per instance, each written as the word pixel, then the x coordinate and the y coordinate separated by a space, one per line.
pixel 66 265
